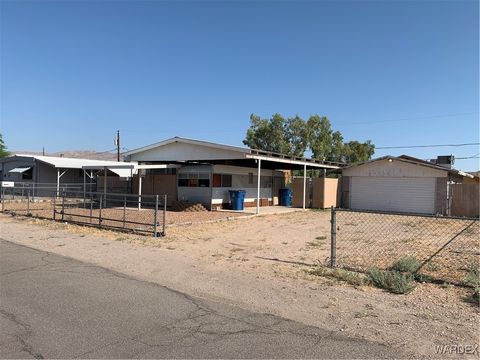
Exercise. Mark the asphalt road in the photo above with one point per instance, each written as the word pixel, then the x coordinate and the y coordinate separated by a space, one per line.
pixel 56 307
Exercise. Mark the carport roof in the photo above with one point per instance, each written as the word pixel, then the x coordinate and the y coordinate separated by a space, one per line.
pixel 243 156
pixel 122 169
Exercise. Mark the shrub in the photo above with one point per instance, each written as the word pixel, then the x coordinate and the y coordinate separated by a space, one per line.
pixel 473 279
pixel 408 264
pixel 473 276
pixel 392 281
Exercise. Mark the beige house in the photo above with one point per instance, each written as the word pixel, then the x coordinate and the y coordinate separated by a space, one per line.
pixel 399 184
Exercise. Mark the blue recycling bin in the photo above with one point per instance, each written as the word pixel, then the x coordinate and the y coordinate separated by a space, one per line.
pixel 236 199
pixel 285 197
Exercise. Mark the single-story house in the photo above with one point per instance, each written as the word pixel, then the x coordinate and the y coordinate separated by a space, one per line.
pixel 399 184
pixel 204 172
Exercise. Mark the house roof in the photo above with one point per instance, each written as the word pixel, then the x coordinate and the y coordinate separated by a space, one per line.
pixel 415 161
pixel 246 156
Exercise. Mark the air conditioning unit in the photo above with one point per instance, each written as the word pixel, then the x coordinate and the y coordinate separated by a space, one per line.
pixel 446 161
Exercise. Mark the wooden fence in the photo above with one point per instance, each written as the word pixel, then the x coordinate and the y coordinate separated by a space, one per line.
pixel 465 199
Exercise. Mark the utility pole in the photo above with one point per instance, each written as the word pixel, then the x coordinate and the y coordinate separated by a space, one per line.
pixel 117 142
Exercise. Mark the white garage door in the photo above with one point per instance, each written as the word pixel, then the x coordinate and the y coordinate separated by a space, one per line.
pixel 416 195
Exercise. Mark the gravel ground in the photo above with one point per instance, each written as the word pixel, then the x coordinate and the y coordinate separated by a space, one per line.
pixel 261 263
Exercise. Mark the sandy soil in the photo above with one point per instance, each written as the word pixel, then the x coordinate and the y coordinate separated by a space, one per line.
pixel 261 264
pixel 137 220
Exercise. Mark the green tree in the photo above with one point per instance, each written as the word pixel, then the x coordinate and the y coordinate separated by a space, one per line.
pixel 338 148
pixel 358 152
pixel 3 148
pixel 267 134
pixel 320 136
pixel 296 135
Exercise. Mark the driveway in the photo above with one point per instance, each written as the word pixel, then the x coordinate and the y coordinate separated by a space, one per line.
pixel 55 307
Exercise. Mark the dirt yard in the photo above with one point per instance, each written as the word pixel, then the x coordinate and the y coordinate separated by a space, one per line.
pixel 262 263
pixel 132 219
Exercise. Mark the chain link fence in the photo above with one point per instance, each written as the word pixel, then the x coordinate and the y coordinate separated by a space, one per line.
pixel 140 214
pixel 445 248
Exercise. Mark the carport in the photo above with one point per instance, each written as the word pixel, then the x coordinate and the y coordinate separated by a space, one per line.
pixel 122 170
pixel 208 161
pixel 283 162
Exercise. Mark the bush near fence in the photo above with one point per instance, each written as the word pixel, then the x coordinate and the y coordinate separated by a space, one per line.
pixel 445 248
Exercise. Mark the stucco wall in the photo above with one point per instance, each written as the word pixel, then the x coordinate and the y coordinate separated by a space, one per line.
pixel 395 168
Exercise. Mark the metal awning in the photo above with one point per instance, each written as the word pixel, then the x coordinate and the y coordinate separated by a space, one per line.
pixel 20 169
pixel 120 169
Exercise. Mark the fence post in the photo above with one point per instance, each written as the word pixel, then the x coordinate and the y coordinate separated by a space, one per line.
pixel 54 206
pixel 164 215
pixel 124 209
pixel 155 217
pixel 91 207
pixel 28 201
pixel 63 205
pixel 100 211
pixel 333 239
pixel 3 199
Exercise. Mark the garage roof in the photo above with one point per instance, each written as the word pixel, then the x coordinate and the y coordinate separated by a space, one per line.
pixel 415 161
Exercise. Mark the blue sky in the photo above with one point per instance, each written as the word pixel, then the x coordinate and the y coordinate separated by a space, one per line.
pixel 395 72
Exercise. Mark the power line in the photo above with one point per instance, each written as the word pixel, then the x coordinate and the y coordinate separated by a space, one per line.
pixel 476 156
pixel 408 119
pixel 425 146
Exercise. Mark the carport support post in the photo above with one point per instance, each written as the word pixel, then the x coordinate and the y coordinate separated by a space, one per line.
pixel 258 184
pixel 58 182
pixel 139 191
pixel 304 184
pixel 84 187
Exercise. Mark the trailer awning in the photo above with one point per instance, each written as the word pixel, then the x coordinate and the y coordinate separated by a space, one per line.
pixel 20 169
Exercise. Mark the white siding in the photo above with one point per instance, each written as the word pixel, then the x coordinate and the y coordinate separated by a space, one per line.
pixel 403 194
pixel 180 152
pixel 240 181
pixel 221 195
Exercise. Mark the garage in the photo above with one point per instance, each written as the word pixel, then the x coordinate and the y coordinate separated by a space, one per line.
pixel 399 184
pixel 416 195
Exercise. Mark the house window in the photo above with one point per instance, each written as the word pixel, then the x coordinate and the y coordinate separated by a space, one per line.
pixel 226 180
pixel 217 180
pixel 193 180
pixel 27 175
pixel 222 180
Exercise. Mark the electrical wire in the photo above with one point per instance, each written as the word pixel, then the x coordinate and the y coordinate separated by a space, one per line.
pixel 408 119
pixel 425 146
